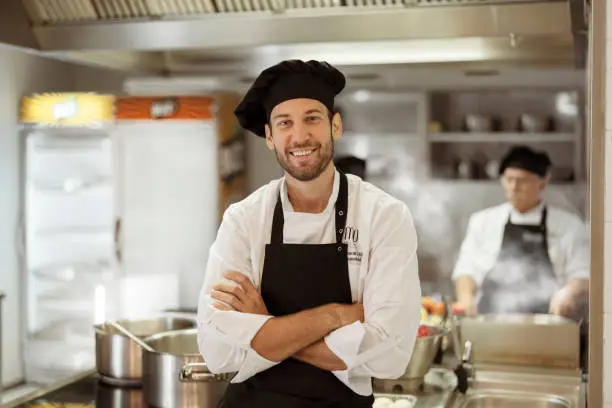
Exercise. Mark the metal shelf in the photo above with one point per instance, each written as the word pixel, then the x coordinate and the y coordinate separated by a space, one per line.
pixel 385 135
pixel 485 183
pixel 500 137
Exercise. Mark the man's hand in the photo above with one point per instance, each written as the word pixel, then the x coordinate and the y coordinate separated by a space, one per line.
pixel 562 304
pixel 469 306
pixel 237 291
pixel 572 300
pixel 465 286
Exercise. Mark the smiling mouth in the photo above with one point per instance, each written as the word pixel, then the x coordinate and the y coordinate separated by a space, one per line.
pixel 302 153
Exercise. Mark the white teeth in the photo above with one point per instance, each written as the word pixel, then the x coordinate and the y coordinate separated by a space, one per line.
pixel 302 153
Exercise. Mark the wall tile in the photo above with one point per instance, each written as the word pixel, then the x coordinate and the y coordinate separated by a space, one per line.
pixel 608 177
pixel 608 269
pixel 608 96
pixel 607 374
pixel 607 369
pixel 608 21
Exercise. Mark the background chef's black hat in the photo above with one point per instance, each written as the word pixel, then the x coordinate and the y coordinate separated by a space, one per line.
pixel 288 80
pixel 351 165
pixel 522 157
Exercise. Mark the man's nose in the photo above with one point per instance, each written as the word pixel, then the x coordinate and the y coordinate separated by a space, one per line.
pixel 300 132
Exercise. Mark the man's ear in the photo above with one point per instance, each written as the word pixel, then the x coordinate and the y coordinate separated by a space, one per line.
pixel 336 125
pixel 269 138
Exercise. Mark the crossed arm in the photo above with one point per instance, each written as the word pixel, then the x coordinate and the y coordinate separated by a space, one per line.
pixel 299 335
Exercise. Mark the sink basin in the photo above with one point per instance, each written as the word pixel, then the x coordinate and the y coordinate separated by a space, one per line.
pixel 489 400
pixel 508 390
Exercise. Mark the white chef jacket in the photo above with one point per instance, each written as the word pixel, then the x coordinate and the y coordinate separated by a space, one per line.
pixel 568 246
pixel 383 274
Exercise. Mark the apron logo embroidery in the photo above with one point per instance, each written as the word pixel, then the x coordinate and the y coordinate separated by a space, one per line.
pixel 351 237
pixel 350 234
pixel 354 255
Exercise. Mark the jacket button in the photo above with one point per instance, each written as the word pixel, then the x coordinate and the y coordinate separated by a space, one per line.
pixel 339 249
pixel 340 230
pixel 340 212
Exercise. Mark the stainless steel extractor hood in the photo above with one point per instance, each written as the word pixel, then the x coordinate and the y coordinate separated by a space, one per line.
pixel 221 36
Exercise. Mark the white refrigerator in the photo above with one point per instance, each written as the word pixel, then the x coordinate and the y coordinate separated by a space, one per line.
pixel 67 247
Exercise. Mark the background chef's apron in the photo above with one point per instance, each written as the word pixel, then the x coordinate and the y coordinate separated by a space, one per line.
pixel 522 279
pixel 298 277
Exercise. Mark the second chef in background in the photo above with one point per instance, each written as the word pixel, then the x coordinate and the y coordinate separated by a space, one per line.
pixel 524 256
pixel 326 263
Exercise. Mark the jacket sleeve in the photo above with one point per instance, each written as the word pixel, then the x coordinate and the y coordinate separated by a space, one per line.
pixel 224 337
pixel 381 347
pixel 578 262
pixel 469 252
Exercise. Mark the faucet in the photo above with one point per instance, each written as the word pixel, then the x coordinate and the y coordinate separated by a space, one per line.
pixel 465 363
pixel 468 360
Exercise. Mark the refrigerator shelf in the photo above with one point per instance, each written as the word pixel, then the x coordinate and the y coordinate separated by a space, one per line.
pixel 76 332
pixel 70 185
pixel 98 270
pixel 80 230
pixel 49 361
pixel 64 249
pixel 77 307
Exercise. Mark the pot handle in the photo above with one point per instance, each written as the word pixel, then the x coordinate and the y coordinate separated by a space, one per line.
pixel 198 372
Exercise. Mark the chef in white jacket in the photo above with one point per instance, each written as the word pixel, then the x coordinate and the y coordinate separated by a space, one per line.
pixel 311 287
pixel 524 256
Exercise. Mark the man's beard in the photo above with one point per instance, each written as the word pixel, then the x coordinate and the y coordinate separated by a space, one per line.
pixel 325 153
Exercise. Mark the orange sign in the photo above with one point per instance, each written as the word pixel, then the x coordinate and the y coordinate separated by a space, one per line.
pixel 165 108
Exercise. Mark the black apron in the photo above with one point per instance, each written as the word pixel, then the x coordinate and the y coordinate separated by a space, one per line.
pixel 298 277
pixel 522 280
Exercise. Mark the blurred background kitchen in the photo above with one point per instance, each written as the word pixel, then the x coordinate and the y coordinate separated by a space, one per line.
pixel 111 200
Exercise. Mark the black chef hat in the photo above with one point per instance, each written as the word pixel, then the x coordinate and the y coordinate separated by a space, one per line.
pixel 351 165
pixel 522 157
pixel 287 80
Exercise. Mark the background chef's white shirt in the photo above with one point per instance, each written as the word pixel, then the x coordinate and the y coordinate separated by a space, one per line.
pixel 383 274
pixel 568 245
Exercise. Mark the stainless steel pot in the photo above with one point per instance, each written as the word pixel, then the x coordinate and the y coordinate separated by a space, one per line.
pixel 175 375
pixel 108 396
pixel 448 344
pixel 118 359
pixel 424 353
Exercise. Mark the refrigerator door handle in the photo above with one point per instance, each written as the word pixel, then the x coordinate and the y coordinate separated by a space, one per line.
pixel 118 239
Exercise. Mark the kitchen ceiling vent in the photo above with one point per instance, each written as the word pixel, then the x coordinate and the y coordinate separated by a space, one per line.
pixel 110 9
pixel 68 11
pixel 60 11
